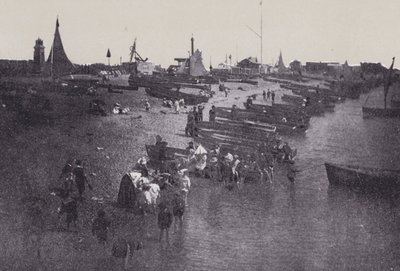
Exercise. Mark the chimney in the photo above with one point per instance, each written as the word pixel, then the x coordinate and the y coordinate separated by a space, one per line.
pixel 192 41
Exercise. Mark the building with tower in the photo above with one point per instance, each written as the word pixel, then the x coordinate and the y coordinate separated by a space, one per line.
pixel 38 56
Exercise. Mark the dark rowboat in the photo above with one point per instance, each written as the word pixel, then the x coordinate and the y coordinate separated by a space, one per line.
pixel 170 154
pixel 364 178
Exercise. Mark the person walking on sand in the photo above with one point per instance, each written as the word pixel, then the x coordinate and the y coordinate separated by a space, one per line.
pixel 100 227
pixel 273 96
pixel 268 94
pixel 164 221
pixel 80 178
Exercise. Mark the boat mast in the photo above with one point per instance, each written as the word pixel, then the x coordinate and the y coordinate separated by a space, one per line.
pixel 261 34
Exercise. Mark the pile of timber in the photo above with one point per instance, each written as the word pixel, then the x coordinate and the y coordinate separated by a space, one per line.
pixel 240 137
pixel 285 122
pixel 171 94
pixel 165 82
pixel 117 87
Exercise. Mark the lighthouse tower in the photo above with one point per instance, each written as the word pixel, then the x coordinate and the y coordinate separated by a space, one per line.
pixel 38 56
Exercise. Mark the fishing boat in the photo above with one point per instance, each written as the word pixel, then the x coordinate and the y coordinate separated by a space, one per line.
pixel 168 93
pixel 363 178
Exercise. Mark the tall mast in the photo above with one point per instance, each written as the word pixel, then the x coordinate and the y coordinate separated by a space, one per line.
pixel 261 34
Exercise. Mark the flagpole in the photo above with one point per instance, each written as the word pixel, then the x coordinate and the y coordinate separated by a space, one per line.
pixel 261 61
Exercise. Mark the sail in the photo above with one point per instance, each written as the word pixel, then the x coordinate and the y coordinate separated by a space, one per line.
pixel 60 64
pixel 388 81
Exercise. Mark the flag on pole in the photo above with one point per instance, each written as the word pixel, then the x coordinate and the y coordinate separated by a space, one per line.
pixel 388 80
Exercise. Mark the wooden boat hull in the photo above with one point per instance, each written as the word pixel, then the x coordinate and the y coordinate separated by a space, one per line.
pixel 370 112
pixel 363 178
pixel 170 94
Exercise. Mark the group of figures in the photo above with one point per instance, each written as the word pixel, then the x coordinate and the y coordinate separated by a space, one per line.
pixel 194 116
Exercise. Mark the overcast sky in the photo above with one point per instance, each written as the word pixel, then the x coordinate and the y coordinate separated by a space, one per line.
pixel 307 30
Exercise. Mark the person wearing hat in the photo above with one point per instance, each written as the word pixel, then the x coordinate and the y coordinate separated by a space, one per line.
pixel 141 165
pixel 80 178
pixel 100 227
pixel 190 147
pixel 212 114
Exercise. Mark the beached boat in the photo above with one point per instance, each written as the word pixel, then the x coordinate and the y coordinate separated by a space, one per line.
pixel 190 99
pixel 170 153
pixel 364 178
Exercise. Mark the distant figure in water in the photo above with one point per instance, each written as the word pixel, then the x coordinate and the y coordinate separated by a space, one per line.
pixel 264 94
pixel 273 96
pixel 164 221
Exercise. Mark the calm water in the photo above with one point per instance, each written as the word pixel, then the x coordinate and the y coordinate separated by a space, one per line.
pixel 302 226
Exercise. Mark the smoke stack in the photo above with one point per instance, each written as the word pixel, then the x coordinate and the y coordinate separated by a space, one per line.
pixel 192 41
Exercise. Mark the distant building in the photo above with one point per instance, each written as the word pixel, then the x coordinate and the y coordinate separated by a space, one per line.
pixel 322 67
pixel 249 63
pixel 372 68
pixel 280 65
pixel 295 66
pixel 38 56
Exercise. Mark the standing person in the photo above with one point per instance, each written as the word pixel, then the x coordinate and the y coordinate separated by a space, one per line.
pixel 264 94
pixel 69 206
pixel 273 96
pixel 67 178
pixel 226 91
pixel 177 107
pixel 80 178
pixel 249 102
pixel 189 130
pixel 184 183
pixel 196 114
pixel 122 250
pixel 100 227
pixel 200 112
pixel 147 105
pixel 268 94
pixel 234 112
pixel 178 209
pixel 212 114
pixel 291 175
pixel 164 221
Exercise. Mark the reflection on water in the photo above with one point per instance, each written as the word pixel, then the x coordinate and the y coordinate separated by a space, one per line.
pixel 302 226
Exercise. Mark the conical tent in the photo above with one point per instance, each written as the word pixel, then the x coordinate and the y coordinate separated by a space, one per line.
pixel 58 60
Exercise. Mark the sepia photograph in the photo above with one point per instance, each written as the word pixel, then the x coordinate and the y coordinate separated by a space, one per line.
pixel 199 135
